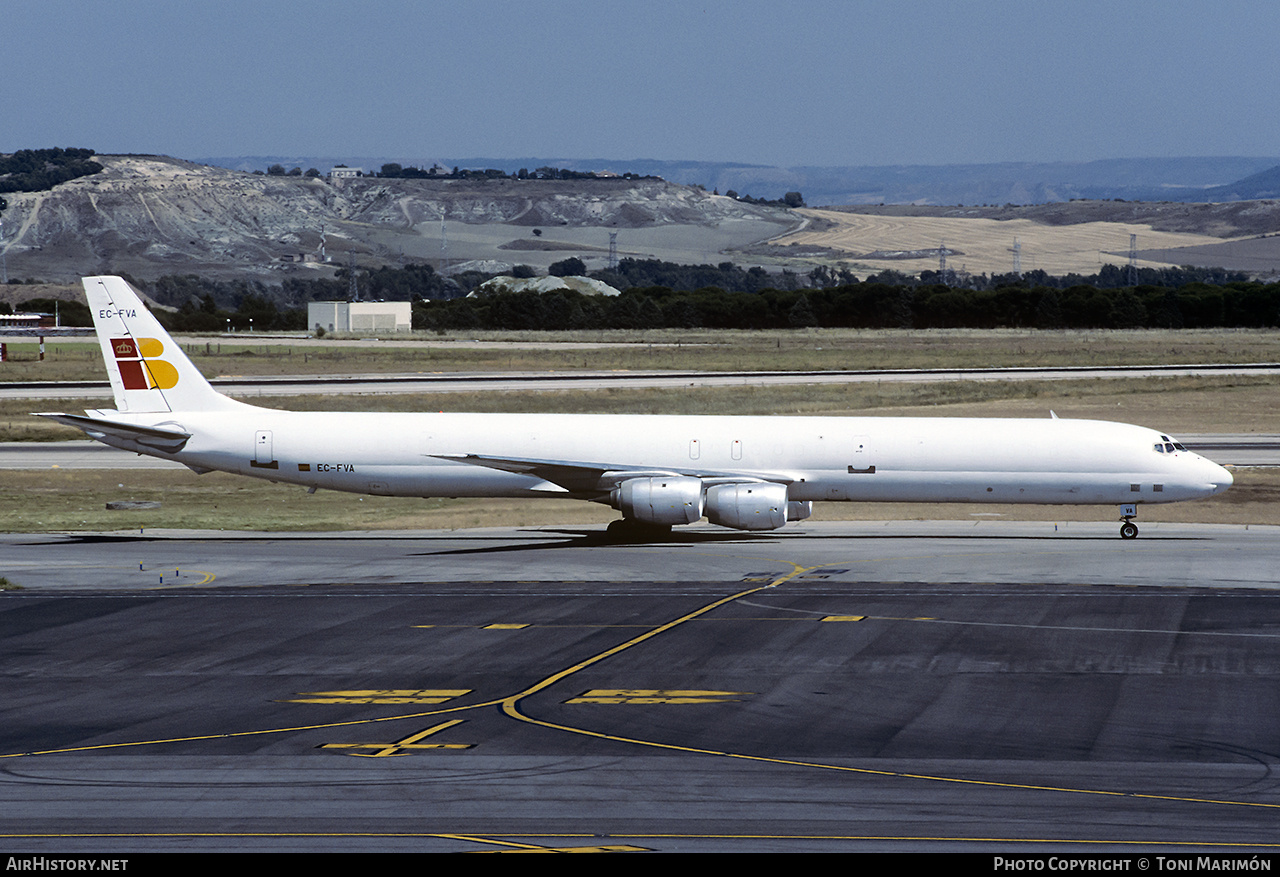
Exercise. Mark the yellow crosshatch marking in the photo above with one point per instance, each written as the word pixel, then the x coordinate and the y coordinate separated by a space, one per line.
pixel 386 750
pixel 656 695
pixel 505 626
pixel 845 618
pixel 381 695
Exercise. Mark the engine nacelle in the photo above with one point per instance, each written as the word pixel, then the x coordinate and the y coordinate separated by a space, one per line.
pixel 754 506
pixel 674 500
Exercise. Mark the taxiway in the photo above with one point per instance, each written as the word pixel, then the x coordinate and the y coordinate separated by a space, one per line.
pixel 917 685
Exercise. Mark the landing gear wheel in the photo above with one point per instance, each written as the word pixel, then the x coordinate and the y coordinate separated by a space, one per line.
pixel 1128 530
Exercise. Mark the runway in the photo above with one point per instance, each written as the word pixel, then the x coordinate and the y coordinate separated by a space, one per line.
pixel 913 685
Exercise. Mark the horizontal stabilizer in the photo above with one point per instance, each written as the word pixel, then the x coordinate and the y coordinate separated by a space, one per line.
pixel 157 438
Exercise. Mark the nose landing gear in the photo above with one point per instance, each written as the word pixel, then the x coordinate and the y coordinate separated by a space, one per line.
pixel 1128 530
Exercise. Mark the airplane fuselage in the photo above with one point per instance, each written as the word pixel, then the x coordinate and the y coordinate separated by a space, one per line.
pixel 859 459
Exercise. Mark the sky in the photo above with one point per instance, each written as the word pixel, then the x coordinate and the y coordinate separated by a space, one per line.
pixel 804 82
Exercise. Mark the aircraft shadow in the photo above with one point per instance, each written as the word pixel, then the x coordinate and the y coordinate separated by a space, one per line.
pixel 605 539
pixel 583 538
pixel 602 539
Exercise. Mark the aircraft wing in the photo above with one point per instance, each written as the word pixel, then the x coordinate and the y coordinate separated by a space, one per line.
pixel 582 477
pixel 160 438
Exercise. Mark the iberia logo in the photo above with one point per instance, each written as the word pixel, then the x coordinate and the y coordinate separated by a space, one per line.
pixel 139 369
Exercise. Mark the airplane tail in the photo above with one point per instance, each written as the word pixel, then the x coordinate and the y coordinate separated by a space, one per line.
pixel 148 370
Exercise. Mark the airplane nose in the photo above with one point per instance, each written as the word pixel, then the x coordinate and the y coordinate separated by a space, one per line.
pixel 1216 478
pixel 1222 480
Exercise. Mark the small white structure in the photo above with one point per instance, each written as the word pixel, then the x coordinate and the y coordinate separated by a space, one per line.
pixel 360 316
pixel 346 173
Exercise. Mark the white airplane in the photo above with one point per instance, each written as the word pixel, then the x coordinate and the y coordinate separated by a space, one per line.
pixel 747 473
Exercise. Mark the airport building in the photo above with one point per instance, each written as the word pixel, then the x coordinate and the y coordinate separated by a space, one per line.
pixel 360 316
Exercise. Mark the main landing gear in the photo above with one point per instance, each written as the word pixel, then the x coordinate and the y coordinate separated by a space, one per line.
pixel 1128 530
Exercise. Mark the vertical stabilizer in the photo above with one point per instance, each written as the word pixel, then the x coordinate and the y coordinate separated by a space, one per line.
pixel 148 370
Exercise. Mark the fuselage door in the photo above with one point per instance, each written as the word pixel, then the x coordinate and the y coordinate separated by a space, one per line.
pixel 263 454
pixel 861 460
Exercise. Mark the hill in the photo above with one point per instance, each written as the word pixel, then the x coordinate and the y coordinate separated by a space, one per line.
pixel 1065 238
pixel 155 215
pixel 150 216
pixel 1265 184
pixel 1209 178
pixel 1227 219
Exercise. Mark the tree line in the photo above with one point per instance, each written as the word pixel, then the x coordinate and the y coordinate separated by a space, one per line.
pixel 752 302
pixel 393 170
pixel 869 305
pixel 36 170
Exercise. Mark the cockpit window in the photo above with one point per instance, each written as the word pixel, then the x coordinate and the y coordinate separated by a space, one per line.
pixel 1159 448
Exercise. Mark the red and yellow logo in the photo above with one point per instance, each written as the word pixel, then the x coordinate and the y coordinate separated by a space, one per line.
pixel 139 369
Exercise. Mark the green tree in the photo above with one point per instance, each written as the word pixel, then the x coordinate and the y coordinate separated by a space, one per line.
pixel 570 267
pixel 801 315
pixel 1128 312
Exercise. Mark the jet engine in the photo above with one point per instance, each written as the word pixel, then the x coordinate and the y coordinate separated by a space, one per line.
pixel 660 500
pixel 751 506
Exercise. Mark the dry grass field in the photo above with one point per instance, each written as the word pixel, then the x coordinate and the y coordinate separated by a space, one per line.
pixel 985 245
pixel 670 349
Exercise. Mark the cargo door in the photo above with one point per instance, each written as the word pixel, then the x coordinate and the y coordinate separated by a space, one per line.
pixel 263 451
